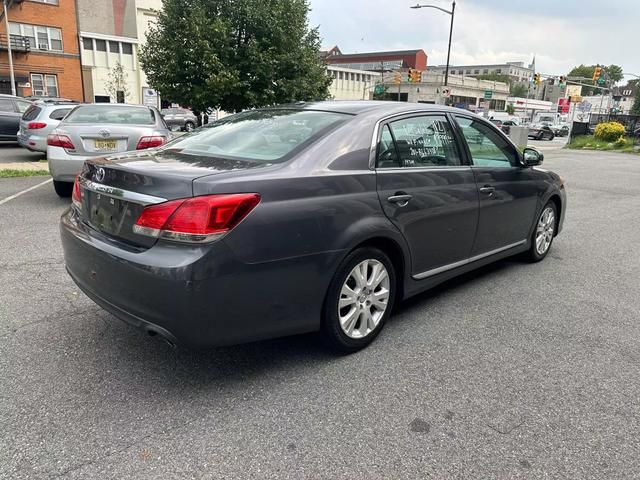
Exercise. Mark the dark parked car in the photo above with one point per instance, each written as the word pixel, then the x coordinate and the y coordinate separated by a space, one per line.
pixel 541 132
pixel 11 110
pixel 308 217
pixel 179 118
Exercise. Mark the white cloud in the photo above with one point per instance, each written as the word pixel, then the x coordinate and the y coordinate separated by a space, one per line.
pixel 485 33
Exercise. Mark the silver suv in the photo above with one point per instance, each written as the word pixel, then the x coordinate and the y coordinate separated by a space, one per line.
pixel 39 120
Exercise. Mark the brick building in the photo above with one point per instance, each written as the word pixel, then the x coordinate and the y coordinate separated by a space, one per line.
pixel 377 61
pixel 45 49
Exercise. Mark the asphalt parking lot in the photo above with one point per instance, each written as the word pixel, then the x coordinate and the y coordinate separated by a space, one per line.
pixel 513 371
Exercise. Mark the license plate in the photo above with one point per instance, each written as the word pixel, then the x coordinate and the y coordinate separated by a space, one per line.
pixel 105 144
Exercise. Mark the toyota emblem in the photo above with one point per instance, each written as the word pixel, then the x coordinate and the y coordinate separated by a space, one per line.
pixel 105 133
pixel 100 174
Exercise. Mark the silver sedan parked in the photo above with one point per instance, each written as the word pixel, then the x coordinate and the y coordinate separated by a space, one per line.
pixel 39 120
pixel 99 129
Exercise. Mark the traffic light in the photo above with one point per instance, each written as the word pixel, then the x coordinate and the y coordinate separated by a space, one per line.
pixel 552 81
pixel 414 76
pixel 563 80
pixel 536 79
pixel 397 79
pixel 597 73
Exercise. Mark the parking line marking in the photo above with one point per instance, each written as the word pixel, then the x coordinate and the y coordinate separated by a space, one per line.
pixel 25 191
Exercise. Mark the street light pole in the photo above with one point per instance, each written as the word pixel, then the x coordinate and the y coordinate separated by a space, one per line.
pixel 11 75
pixel 451 13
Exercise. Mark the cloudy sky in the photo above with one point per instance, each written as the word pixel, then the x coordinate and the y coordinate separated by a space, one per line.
pixel 561 33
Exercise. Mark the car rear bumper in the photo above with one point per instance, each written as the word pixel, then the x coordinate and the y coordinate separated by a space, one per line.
pixel 196 295
pixel 65 167
pixel 35 143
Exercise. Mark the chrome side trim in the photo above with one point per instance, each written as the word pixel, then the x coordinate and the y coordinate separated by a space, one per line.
pixel 435 168
pixel 119 193
pixel 451 266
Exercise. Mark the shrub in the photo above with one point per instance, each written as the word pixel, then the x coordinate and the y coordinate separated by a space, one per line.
pixel 609 131
pixel 620 142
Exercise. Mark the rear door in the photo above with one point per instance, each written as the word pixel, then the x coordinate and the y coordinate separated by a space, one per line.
pixel 9 119
pixel 508 192
pixel 427 191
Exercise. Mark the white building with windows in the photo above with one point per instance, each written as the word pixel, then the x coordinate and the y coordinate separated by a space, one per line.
pixel 351 84
pixel 111 32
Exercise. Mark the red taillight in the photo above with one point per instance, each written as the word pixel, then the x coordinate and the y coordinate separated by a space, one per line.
pixel 36 125
pixel 63 141
pixel 150 142
pixel 198 219
pixel 76 197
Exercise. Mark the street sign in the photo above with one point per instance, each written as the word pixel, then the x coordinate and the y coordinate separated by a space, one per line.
pixel 446 92
pixel 485 105
pixel 488 94
pixel 378 90
pixel 149 97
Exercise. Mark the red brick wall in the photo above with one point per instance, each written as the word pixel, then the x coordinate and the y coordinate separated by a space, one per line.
pixel 67 65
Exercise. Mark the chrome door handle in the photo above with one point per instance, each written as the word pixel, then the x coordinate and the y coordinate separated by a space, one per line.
pixel 400 199
pixel 487 189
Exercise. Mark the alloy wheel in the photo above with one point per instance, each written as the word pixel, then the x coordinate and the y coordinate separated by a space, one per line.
pixel 545 230
pixel 364 298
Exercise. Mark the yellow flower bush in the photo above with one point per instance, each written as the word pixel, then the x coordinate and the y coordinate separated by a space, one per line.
pixel 609 131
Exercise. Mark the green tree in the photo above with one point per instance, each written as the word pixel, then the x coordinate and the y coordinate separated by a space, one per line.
pixel 635 110
pixel 518 90
pixel 117 82
pixel 494 77
pixel 613 73
pixel 510 109
pixel 234 55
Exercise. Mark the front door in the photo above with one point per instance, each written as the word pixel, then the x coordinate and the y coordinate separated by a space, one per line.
pixel 508 191
pixel 427 191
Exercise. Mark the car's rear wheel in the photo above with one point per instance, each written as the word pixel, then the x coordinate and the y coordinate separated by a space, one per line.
pixel 544 233
pixel 63 189
pixel 359 300
pixel 189 126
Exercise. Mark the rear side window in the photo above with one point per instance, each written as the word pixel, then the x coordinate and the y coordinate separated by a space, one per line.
pixel 425 141
pixel 108 114
pixel 59 113
pixel 258 135
pixel 31 113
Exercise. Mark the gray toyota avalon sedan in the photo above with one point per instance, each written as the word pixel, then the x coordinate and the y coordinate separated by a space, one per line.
pixel 305 217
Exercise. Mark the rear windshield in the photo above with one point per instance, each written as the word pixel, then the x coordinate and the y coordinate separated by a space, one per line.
pixel 31 113
pixel 259 135
pixel 119 115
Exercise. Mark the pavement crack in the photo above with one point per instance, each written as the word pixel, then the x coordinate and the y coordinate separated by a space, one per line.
pixel 71 314
pixel 505 431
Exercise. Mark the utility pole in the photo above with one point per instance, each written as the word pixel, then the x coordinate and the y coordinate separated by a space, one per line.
pixel 6 24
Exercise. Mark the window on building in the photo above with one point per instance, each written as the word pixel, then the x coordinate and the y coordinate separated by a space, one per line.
pixel 468 72
pixel 485 71
pixel 87 43
pixel 101 45
pixel 127 49
pixel 476 71
pixel 113 47
pixel 40 38
pixel 50 2
pixel 43 85
pixel 499 70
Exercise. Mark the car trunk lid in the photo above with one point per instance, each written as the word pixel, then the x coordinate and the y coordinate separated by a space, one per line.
pixel 116 189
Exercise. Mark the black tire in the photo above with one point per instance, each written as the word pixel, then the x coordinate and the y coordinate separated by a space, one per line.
pixel 189 126
pixel 533 255
pixel 331 330
pixel 551 137
pixel 540 136
pixel 63 189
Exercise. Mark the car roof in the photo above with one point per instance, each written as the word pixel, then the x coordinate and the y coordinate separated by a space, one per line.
pixel 356 107
pixel 117 105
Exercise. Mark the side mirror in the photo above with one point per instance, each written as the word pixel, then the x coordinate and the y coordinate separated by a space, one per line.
pixel 532 157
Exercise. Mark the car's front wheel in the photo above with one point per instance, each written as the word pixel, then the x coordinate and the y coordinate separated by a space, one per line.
pixel 544 233
pixel 63 189
pixel 359 300
pixel 189 126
